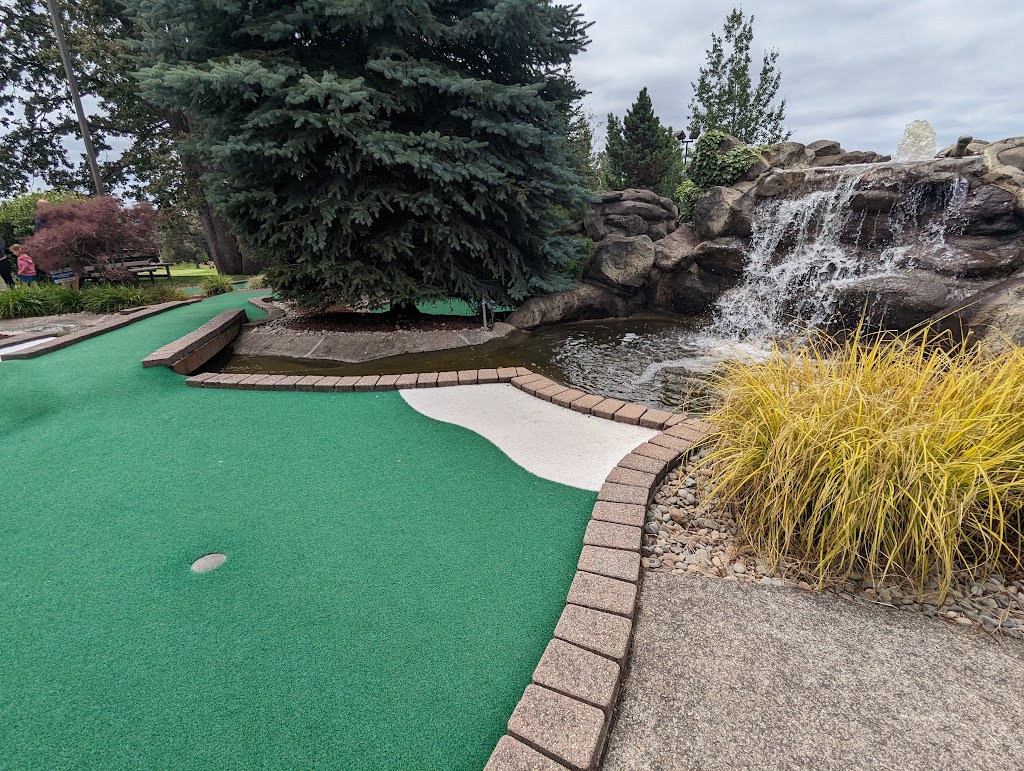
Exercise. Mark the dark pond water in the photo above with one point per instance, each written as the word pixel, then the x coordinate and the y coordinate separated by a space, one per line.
pixel 652 360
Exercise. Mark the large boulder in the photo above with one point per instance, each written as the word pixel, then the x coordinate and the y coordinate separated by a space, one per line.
pixel 631 212
pixel 784 154
pixel 621 262
pixel 583 301
pixel 674 253
pixel 724 211
pixel 689 292
pixel 894 302
pixel 989 211
pixel 968 257
pixel 723 256
pixel 994 316
pixel 824 148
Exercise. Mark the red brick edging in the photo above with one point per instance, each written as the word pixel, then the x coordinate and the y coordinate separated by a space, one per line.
pixel 121 320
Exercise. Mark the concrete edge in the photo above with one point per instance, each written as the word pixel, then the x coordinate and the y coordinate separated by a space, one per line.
pixel 116 322
pixel 191 351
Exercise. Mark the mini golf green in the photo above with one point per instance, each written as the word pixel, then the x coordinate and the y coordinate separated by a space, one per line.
pixel 390 581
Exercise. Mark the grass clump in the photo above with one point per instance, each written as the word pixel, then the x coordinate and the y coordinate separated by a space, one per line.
pixel 894 458
pixel 110 298
pixel 259 281
pixel 216 284
pixel 22 301
pixel 46 299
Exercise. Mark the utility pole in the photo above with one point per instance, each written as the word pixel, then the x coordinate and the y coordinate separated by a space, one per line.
pixel 65 55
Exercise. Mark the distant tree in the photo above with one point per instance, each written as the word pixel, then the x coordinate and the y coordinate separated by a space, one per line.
pixel 368 150
pixel 581 142
pixel 17 214
pixel 641 152
pixel 725 98
pixel 93 232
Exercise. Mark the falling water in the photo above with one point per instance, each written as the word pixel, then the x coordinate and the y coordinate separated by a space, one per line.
pixel 918 142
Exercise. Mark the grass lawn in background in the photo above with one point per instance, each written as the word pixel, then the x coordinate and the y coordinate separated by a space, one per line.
pixel 391 581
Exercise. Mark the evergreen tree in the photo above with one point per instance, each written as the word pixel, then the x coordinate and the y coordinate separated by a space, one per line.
pixel 401 150
pixel 724 97
pixel 640 152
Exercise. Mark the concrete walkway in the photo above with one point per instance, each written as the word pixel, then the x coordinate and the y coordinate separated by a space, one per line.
pixel 729 675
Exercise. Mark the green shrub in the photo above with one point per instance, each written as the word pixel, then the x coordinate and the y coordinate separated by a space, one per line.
pixel 686 197
pixel 164 293
pixel 216 284
pixel 110 298
pixel 22 302
pixel 896 459
pixel 709 167
pixel 61 299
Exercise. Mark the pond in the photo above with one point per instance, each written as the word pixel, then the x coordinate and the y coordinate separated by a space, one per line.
pixel 658 361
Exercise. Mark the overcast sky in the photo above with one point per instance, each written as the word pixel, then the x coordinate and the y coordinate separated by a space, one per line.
pixel 856 71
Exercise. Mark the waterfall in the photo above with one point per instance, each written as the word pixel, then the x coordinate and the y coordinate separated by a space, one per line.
pixel 918 142
pixel 805 247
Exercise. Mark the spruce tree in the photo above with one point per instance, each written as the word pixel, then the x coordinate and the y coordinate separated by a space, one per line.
pixel 724 97
pixel 366 150
pixel 641 152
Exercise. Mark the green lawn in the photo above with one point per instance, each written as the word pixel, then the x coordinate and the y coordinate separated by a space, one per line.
pixel 391 580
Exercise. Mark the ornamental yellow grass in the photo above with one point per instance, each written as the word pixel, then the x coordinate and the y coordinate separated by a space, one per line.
pixel 899 459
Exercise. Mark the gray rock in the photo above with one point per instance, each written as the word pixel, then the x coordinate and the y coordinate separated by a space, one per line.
pixel 674 253
pixel 583 301
pixel 713 213
pixel 894 302
pixel 723 256
pixel 989 211
pixel 621 261
pixel 690 292
pixel 784 154
pixel 824 148
pixel 874 201
pixel 995 315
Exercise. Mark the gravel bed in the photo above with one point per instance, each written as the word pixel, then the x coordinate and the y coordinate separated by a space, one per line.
pixel 685 533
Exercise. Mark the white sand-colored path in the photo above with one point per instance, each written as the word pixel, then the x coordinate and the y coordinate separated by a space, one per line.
pixel 22 346
pixel 547 440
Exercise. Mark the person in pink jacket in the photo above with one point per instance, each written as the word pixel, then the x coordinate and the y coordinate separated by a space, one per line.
pixel 26 268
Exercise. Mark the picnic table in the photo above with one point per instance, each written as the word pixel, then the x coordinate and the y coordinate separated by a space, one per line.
pixel 139 265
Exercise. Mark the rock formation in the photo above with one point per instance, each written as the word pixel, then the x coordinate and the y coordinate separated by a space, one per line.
pixel 947 229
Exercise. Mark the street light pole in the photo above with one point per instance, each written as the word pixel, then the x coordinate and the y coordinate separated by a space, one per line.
pixel 65 55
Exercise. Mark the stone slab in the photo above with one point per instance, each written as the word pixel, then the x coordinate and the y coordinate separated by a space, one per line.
pixel 586 403
pixel 547 394
pixel 468 376
pixel 623 493
pixel 595 630
pixel 607 408
pixel 427 379
pixel 307 383
pixel 623 513
pixel 631 413
pixel 566 397
pixel 251 382
pixel 512 755
pixel 287 383
pixel 538 385
pixel 603 593
pixel 505 374
pixel 578 673
pixel 366 383
pixel 656 419
pixel 485 376
pixel 326 383
pixel 447 379
pixel 612 535
pixel 658 452
pixel 672 443
pixel 614 563
pixel 407 381
pixel 559 726
pixel 387 383
pixel 347 383
pixel 628 476
pixel 268 383
pixel 643 464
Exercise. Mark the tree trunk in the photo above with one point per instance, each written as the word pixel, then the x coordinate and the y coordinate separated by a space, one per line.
pixel 228 255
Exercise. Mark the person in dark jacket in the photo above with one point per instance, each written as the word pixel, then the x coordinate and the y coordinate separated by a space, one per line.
pixel 5 265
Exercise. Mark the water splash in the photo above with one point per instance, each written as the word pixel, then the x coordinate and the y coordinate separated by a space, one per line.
pixel 918 143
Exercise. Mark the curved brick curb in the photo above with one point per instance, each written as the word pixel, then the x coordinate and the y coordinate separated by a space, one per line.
pixel 122 320
pixel 563 717
pixel 522 378
pixel 266 305
pixel 188 353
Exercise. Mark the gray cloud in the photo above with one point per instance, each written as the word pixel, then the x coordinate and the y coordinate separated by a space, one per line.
pixel 852 70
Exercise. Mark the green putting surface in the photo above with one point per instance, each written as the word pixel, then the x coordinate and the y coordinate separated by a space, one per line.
pixel 391 581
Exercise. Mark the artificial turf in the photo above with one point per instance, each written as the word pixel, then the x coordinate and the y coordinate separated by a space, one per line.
pixel 391 581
